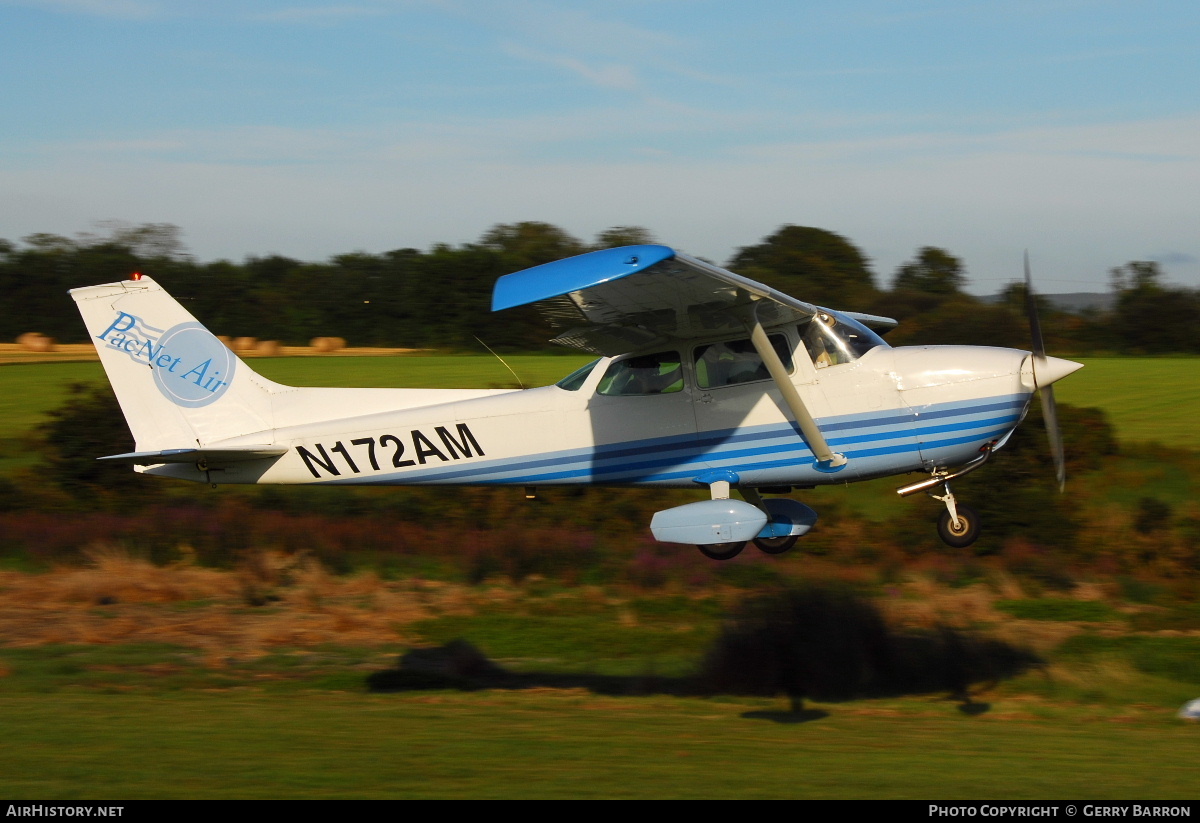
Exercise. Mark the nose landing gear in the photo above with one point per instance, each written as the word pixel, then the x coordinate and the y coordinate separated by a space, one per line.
pixel 959 525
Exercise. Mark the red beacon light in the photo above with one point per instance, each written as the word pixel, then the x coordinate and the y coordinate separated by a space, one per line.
pixel 137 275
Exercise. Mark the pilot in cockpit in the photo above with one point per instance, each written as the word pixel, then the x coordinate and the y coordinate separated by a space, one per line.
pixel 818 339
pixel 833 340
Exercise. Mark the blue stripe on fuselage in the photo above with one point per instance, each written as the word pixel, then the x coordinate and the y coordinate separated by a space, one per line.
pixel 663 459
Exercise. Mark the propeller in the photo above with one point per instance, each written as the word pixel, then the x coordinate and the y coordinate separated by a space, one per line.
pixel 1045 371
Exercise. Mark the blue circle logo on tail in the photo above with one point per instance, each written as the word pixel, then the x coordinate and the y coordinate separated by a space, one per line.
pixel 192 367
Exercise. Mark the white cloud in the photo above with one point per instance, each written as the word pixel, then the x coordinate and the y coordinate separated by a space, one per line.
pixel 608 76
pixel 555 26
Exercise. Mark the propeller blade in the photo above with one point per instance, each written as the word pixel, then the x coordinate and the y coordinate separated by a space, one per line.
pixel 1049 409
pixel 1054 435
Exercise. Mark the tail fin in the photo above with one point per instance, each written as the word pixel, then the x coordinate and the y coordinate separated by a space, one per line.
pixel 178 385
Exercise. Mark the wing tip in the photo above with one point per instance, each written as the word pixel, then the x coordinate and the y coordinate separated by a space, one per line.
pixel 574 273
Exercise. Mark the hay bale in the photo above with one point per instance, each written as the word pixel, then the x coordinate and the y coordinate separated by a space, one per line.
pixel 269 348
pixel 244 343
pixel 36 342
pixel 327 344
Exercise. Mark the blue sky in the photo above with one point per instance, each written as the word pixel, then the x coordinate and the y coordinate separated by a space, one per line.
pixel 1071 128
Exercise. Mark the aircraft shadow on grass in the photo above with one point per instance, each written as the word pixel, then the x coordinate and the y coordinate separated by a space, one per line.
pixel 817 644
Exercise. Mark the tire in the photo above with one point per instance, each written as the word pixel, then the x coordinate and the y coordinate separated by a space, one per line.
pixel 722 551
pixel 776 545
pixel 967 531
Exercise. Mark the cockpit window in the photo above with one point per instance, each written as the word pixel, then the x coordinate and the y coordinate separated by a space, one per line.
pixel 660 373
pixel 835 339
pixel 575 380
pixel 736 361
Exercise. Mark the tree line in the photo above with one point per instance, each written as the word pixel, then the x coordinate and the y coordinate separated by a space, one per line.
pixel 440 298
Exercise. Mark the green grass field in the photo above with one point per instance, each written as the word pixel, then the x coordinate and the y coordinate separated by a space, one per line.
pixel 1147 399
pixel 158 721
pixel 117 720
pixel 251 744
pixel 27 392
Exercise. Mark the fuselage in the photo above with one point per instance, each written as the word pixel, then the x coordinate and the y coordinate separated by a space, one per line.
pixel 706 379
pixel 888 410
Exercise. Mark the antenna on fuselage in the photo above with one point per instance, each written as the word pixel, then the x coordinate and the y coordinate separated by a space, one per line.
pixel 501 359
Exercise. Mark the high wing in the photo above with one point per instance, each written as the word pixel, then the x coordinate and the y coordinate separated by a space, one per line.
pixel 615 301
pixel 618 300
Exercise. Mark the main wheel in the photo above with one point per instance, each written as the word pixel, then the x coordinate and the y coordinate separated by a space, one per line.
pixel 966 532
pixel 722 551
pixel 776 545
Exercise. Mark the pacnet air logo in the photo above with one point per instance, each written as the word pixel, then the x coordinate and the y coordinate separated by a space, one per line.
pixel 192 368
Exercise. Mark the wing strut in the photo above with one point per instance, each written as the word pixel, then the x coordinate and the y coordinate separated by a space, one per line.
pixel 808 427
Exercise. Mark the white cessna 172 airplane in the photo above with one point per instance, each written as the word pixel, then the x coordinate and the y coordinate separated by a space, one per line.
pixel 704 378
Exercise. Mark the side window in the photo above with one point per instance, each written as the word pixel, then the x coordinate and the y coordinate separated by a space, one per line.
pixel 660 373
pixel 736 361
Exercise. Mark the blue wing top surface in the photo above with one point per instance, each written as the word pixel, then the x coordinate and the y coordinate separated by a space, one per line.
pixel 574 274
pixel 618 300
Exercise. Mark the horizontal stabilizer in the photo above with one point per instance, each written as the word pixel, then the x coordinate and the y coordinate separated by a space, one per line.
pixel 210 456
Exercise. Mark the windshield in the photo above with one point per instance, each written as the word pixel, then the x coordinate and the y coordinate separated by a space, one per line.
pixel 575 380
pixel 833 339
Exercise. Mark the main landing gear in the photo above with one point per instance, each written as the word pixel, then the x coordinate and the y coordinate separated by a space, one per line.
pixel 780 523
pixel 722 551
pixel 721 527
pixel 776 545
pixel 766 545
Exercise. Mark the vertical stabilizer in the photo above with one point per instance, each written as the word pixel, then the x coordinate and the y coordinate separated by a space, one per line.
pixel 178 385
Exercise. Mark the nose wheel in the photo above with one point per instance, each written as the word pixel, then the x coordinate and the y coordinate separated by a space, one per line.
pixel 959 525
pixel 959 532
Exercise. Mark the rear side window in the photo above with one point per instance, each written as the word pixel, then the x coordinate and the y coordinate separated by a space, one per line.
pixel 736 361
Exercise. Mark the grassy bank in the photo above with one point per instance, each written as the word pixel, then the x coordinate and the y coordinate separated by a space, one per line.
pixel 124 680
